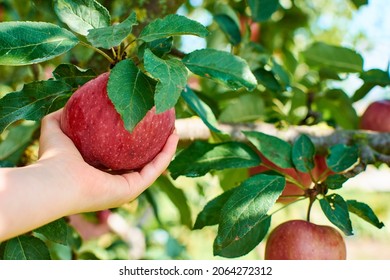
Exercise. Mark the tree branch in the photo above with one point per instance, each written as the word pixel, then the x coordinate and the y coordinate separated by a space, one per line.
pixel 375 146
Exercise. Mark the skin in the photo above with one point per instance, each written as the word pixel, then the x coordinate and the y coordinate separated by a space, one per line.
pixel 61 183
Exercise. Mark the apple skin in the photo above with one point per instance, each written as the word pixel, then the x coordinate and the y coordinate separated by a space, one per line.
pixel 254 28
pixel 304 178
pixel 90 120
pixel 302 240
pixel 376 117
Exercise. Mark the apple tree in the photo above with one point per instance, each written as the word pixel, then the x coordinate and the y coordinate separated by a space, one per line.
pixel 247 94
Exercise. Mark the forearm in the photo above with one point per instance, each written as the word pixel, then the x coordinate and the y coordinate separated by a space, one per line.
pixel 27 201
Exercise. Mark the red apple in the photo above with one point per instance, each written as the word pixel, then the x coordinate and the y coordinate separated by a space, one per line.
pixel 376 117
pixel 97 130
pixel 254 28
pixel 304 179
pixel 302 240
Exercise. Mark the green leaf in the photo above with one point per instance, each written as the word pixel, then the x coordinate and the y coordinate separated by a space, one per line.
pixel 228 21
pixel 112 36
pixel 200 108
pixel 231 178
pixel 33 102
pixel 329 105
pixel 171 75
pixel 242 246
pixel 56 231
pixel 342 157
pixel 328 74
pixel 267 79
pixel 131 92
pixel 262 10
pixel 23 7
pixel 371 78
pixel 221 66
pixel 298 106
pixel 26 248
pixel 178 198
pixel 150 197
pixel 303 152
pixel 172 25
pixel 337 58
pixel 361 92
pixel 365 212
pixel 23 43
pixel 336 210
pixel 245 209
pixel 359 3
pixel 376 77
pixel 159 47
pixel 245 108
pixel 82 15
pixel 274 149
pixel 202 157
pixel 17 139
pixel 280 73
pixel 335 181
pixel 210 214
pixel 73 75
pixel 229 28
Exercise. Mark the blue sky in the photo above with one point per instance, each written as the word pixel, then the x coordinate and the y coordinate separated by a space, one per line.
pixel 373 20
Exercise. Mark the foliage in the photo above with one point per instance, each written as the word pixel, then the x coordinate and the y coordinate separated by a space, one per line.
pixel 231 79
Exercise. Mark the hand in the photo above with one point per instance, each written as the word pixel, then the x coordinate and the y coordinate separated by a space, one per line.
pixel 61 183
pixel 95 189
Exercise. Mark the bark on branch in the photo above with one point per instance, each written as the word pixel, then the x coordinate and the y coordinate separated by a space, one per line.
pixel 375 147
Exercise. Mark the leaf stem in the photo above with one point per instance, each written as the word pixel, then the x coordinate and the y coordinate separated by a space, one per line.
pixel 99 51
pixel 125 47
pixel 287 176
pixel 286 205
pixel 113 52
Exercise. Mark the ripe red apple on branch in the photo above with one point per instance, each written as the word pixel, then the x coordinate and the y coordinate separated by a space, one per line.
pixel 97 130
pixel 376 117
pixel 292 191
pixel 302 240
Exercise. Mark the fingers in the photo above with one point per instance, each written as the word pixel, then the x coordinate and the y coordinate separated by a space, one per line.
pixel 52 137
pixel 138 182
pixel 51 122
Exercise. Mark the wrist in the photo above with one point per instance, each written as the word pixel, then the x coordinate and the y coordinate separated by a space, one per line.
pixel 27 201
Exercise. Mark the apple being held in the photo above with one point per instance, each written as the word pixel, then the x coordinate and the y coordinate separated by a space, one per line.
pixel 376 117
pixel 302 240
pixel 90 120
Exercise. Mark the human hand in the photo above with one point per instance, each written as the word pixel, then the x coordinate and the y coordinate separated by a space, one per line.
pixel 88 188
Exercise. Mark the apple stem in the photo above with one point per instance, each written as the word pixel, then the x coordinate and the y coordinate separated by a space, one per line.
pixel 99 51
pixel 312 198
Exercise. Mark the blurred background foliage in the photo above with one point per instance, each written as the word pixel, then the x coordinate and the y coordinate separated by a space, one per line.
pixel 292 91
